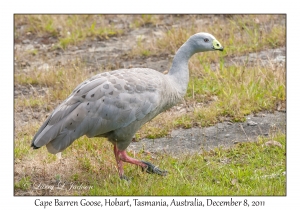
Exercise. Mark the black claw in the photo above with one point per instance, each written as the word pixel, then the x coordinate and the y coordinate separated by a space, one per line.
pixel 152 169
pixel 34 147
pixel 123 177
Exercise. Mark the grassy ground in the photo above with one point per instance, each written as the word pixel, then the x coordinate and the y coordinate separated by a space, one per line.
pixel 230 92
pixel 68 29
pixel 240 34
pixel 250 168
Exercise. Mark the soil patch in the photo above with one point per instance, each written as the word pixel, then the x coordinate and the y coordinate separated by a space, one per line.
pixel 226 134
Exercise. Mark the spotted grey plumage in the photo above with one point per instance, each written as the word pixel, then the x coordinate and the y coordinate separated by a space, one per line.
pixel 116 104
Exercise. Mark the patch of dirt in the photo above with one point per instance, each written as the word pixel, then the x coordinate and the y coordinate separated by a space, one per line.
pixel 265 58
pixel 226 134
pixel 26 91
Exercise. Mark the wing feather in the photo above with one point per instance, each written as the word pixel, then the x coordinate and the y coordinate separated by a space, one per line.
pixel 104 103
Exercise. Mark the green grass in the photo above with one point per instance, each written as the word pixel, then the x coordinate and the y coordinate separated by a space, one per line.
pixel 237 92
pixel 33 52
pixel 23 184
pixel 32 102
pixel 246 169
pixel 21 147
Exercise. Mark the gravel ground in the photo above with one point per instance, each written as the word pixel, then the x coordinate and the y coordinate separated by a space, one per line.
pixel 226 134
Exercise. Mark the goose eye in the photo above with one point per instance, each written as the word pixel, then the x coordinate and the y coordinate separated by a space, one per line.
pixel 205 40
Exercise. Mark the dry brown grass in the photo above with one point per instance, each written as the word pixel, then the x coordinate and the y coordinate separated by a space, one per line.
pixel 239 34
pixel 68 29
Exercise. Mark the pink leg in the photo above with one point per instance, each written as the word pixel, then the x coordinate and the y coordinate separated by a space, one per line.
pixel 121 156
pixel 119 162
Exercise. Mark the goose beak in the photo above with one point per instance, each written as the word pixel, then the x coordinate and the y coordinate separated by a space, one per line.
pixel 217 45
pixel 221 49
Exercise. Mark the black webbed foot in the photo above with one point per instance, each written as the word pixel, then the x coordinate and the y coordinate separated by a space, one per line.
pixel 152 169
pixel 123 177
